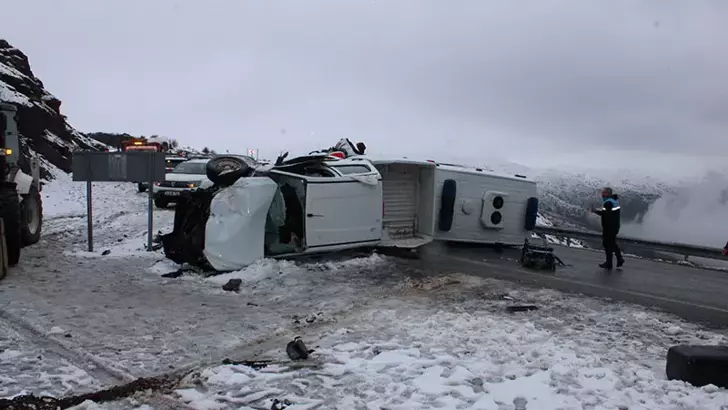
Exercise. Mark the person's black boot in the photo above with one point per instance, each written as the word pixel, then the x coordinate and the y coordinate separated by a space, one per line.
pixel 620 262
pixel 605 266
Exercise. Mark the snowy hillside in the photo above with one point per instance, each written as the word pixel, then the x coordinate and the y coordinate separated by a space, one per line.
pixel 44 131
pixel 565 196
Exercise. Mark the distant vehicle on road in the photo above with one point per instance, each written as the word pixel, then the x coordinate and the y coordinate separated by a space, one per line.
pixel 141 144
pixel 171 163
pixel 189 175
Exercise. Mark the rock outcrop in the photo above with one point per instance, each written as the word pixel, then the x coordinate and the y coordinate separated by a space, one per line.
pixel 44 131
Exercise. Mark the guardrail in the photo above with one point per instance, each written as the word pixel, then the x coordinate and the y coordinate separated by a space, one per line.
pixel 628 243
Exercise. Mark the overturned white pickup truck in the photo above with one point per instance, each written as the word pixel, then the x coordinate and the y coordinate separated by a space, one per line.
pixel 326 202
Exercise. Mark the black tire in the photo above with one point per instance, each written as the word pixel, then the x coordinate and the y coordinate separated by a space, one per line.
pixel 141 187
pixel 224 170
pixel 10 212
pixel 161 203
pixel 698 365
pixel 32 211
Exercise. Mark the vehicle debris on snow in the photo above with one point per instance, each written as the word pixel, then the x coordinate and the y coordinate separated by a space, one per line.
pixel 233 285
pixel 297 350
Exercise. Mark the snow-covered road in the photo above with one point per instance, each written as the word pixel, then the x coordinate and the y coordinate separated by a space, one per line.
pixel 387 336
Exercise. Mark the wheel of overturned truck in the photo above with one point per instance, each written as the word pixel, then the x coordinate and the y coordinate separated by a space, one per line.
pixel 161 203
pixel 226 169
pixel 10 213
pixel 141 187
pixel 32 217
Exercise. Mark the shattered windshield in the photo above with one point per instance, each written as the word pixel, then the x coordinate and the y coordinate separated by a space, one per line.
pixel 190 168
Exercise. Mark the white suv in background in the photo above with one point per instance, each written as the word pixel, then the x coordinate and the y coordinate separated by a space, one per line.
pixel 187 176
pixel 171 161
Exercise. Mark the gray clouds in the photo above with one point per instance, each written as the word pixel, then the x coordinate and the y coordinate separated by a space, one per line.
pixel 512 79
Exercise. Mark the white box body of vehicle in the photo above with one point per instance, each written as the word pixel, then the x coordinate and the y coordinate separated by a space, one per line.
pixel 488 208
pixel 408 202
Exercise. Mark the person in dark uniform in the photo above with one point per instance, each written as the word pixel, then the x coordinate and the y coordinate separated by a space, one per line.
pixel 610 213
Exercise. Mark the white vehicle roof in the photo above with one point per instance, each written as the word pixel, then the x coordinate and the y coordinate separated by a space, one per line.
pixel 482 171
pixel 463 169
pixel 390 160
pixel 198 161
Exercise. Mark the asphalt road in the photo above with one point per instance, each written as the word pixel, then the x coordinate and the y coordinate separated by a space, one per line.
pixel 697 295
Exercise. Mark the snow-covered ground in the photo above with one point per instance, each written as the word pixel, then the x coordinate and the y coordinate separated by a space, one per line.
pixel 453 346
pixel 386 334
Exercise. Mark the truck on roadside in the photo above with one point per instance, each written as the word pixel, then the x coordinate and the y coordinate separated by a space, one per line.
pixel 21 207
pixel 341 199
pixel 141 144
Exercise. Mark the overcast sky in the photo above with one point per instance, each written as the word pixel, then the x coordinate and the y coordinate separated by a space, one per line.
pixel 542 82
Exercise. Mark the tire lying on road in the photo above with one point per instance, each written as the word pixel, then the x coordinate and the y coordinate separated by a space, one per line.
pixel 698 365
pixel 10 212
pixel 224 170
pixel 32 214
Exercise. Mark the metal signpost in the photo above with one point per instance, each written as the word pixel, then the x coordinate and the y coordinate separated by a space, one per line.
pixel 135 166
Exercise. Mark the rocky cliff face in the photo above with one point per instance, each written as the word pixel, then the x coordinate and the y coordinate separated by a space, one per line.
pixel 44 131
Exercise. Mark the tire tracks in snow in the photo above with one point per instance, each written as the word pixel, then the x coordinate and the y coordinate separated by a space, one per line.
pixel 75 228
pixel 103 372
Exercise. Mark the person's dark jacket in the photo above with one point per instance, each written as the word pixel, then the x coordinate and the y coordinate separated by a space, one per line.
pixel 610 213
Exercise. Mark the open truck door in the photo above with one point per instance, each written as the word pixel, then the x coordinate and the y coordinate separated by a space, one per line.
pixel 333 211
pixel 343 213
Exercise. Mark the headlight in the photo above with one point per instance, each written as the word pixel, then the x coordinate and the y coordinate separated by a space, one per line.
pixel 193 184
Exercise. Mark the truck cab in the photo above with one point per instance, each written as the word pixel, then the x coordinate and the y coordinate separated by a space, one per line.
pixel 21 206
pixel 309 205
